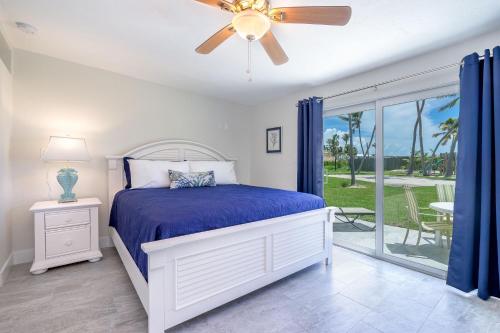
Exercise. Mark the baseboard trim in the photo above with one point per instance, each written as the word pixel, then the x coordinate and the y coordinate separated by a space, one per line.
pixel 23 256
pixel 105 241
pixel 4 272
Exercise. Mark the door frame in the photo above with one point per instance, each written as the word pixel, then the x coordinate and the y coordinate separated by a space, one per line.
pixel 378 105
pixel 344 110
pixel 379 170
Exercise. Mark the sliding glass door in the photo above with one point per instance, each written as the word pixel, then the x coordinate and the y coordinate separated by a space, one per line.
pixel 390 172
pixel 420 134
pixel 349 165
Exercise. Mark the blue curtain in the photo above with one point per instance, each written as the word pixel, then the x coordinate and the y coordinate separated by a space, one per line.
pixel 310 146
pixel 474 257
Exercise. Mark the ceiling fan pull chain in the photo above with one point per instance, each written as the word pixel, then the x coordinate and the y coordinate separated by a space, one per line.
pixel 249 67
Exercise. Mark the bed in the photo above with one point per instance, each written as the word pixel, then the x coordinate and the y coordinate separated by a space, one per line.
pixel 186 259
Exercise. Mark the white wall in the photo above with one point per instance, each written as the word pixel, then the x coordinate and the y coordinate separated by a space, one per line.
pixel 5 183
pixel 115 114
pixel 279 170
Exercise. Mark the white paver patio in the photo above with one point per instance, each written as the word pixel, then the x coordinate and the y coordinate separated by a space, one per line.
pixel 426 253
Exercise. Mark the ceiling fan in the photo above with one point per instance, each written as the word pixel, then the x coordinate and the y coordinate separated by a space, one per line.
pixel 252 21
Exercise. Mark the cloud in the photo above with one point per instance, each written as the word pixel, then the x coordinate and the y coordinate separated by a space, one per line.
pixel 330 132
pixel 399 121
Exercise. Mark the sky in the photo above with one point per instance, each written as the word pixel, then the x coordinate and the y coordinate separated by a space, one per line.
pixel 399 121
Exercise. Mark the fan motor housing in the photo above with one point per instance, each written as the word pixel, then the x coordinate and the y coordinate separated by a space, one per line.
pixel 260 5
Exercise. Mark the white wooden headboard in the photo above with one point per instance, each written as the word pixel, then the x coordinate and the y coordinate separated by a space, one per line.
pixel 166 150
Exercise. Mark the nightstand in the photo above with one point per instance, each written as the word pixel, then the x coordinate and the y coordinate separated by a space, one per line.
pixel 65 233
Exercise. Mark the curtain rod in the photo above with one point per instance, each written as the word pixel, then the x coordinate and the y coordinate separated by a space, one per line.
pixel 406 77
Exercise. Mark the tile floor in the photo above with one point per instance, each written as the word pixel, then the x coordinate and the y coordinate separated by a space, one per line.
pixel 355 294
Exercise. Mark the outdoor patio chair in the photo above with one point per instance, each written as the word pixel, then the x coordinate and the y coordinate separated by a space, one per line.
pixel 445 192
pixel 415 215
pixel 352 214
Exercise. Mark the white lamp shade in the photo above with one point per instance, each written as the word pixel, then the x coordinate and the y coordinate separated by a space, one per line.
pixel 65 149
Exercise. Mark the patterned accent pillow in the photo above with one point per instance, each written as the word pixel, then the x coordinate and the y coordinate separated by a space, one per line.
pixel 191 179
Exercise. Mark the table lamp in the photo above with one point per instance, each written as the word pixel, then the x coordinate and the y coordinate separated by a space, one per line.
pixel 66 149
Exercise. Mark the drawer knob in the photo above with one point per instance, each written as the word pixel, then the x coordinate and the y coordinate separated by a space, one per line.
pixel 68 242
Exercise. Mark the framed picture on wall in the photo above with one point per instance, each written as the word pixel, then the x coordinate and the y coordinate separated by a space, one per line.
pixel 273 140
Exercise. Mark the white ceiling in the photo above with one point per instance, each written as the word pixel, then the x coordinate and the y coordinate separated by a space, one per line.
pixel 155 40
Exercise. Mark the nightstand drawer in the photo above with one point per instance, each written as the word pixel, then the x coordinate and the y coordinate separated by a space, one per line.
pixel 67 218
pixel 66 241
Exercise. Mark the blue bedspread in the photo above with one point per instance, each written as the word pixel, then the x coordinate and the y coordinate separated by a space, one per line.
pixel 145 215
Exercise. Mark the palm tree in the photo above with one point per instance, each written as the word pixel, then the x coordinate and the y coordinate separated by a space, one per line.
pixel 367 151
pixel 421 138
pixel 345 138
pixel 350 151
pixel 449 131
pixel 418 126
pixel 451 127
pixel 450 104
pixel 333 147
pixel 356 124
pixel 356 121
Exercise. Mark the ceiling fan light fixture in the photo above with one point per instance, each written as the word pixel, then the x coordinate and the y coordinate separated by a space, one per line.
pixel 251 24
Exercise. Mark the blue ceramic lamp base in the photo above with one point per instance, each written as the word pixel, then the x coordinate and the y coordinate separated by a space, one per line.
pixel 67 178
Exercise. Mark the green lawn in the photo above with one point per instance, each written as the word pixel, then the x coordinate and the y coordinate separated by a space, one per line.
pixel 337 194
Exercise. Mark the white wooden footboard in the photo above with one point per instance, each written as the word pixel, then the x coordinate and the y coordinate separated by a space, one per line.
pixel 192 274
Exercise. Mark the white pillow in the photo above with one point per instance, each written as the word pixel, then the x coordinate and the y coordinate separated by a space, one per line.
pixel 223 171
pixel 153 174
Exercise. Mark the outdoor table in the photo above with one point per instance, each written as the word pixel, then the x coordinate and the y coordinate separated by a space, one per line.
pixel 444 208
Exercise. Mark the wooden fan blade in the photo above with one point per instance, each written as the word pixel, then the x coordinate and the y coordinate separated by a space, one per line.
pixel 273 49
pixel 218 3
pixel 214 3
pixel 218 38
pixel 327 15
